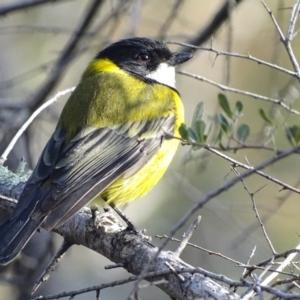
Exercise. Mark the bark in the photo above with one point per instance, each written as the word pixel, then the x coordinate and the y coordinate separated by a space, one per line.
pixel 104 234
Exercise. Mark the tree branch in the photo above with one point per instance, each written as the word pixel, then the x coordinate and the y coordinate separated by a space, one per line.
pixel 105 235
pixel 5 9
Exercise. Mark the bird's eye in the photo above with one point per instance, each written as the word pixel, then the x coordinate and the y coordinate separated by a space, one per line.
pixel 144 57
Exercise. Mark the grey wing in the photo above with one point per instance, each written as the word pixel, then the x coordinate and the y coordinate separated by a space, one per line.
pixel 67 178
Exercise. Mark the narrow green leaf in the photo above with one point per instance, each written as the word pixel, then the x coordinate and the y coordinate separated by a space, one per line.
pixel 293 134
pixel 243 132
pixel 183 132
pixel 197 115
pixel 265 117
pixel 239 106
pixel 223 122
pixel 289 135
pixel 192 136
pixel 297 137
pixel 223 101
pixel 199 129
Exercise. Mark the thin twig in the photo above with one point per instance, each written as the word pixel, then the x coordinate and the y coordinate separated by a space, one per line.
pixel 248 261
pixel 286 40
pixel 3 157
pixel 241 92
pixel 272 276
pixel 171 268
pixel 204 200
pixel 187 236
pixel 52 265
pixel 216 21
pixel 152 283
pixel 27 75
pixel 257 287
pixel 244 166
pixel 66 56
pixel 91 34
pixel 169 20
pixel 5 9
pixel 247 56
pixel 229 40
pixel 256 211
pixel 210 252
pixel 274 20
pixel 289 36
pixel 115 266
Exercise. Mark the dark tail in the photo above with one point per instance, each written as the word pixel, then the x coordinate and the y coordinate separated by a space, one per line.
pixel 14 235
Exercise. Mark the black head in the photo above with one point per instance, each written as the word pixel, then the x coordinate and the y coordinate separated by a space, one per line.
pixel 145 58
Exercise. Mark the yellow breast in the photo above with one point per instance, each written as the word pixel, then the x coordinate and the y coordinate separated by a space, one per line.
pixel 162 101
pixel 124 190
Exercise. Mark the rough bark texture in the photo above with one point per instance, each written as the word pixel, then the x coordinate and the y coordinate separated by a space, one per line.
pixel 105 235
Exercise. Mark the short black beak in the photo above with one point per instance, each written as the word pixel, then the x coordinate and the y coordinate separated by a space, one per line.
pixel 179 58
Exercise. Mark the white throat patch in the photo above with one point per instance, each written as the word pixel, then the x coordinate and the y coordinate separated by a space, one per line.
pixel 164 74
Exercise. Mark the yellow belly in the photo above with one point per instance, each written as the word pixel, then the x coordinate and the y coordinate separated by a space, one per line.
pixel 162 101
pixel 124 190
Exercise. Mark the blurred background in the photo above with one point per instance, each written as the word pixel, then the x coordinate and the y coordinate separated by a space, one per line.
pixel 38 59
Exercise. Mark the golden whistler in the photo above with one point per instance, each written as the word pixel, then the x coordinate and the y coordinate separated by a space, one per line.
pixel 113 140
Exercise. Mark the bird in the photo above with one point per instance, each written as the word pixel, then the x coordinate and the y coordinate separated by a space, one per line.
pixel 114 140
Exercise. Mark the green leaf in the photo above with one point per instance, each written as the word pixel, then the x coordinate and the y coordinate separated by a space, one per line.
pixel 223 101
pixel 265 117
pixel 223 122
pixel 239 106
pixel 293 134
pixel 192 136
pixel 199 129
pixel 197 115
pixel 243 132
pixel 183 132
pixel 297 137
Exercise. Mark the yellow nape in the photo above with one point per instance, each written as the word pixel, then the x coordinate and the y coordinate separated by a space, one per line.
pixel 101 65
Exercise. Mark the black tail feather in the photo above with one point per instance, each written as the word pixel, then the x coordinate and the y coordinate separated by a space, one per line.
pixel 14 235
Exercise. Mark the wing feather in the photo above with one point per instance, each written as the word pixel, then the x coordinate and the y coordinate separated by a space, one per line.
pixel 68 177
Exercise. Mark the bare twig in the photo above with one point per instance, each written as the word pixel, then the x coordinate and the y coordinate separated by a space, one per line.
pixel 156 282
pixel 272 276
pixel 115 266
pixel 172 269
pixel 187 236
pixel 210 252
pixel 241 92
pixel 169 20
pixel 257 287
pixel 30 120
pixel 5 9
pixel 256 211
pixel 204 200
pixel 229 40
pixel 238 55
pixel 274 21
pixel 289 36
pixel 66 56
pixel 219 18
pixel 286 40
pixel 247 167
pixel 248 261
pixel 52 264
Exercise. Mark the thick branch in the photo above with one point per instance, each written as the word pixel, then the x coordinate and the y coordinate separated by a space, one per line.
pixel 105 235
